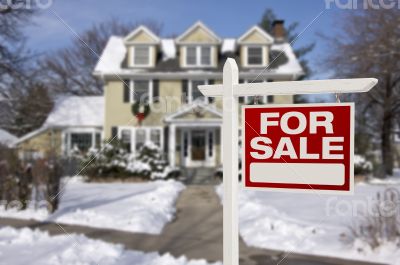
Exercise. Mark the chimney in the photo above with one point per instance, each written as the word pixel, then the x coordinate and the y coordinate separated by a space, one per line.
pixel 278 30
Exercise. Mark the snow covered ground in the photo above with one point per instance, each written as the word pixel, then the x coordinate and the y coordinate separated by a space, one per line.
pixel 309 223
pixel 134 207
pixel 34 247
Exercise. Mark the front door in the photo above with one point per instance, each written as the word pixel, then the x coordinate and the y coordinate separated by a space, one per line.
pixel 198 145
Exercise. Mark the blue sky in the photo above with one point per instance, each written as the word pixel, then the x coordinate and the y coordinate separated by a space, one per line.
pixel 226 18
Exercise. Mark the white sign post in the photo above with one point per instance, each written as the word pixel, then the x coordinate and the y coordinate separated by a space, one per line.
pixel 230 90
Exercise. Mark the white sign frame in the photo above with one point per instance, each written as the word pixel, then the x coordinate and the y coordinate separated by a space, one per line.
pixel 230 90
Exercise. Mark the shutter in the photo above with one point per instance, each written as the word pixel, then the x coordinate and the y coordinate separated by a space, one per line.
pixel 211 99
pixel 156 91
pixel 114 132
pixel 185 91
pixel 126 91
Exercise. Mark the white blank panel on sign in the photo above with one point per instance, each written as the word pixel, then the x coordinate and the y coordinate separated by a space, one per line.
pixel 300 173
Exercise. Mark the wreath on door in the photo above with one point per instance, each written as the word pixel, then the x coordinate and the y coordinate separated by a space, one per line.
pixel 140 111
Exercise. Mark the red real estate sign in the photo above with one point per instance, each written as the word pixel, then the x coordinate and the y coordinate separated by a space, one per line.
pixel 305 147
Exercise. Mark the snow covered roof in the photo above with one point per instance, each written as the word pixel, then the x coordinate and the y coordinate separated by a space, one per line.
pixel 7 138
pixel 112 57
pixel 228 45
pixel 72 111
pixel 168 48
pixel 77 111
pixel 292 65
pixel 112 60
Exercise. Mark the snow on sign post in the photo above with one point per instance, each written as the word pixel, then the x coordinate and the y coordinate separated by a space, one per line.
pixel 303 125
pixel 307 147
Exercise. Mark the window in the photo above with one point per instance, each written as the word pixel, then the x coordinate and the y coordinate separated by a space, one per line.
pixel 98 140
pixel 254 56
pixel 185 144
pixel 205 55
pixel 195 90
pixel 155 137
pixel 140 138
pixel 141 90
pixel 141 55
pixel 191 56
pixel 198 56
pixel 126 139
pixel 81 141
pixel 191 91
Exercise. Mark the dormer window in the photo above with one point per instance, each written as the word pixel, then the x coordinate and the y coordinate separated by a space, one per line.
pixel 254 56
pixel 198 56
pixel 141 55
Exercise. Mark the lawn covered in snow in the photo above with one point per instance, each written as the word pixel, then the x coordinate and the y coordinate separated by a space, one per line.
pixel 134 207
pixel 26 246
pixel 310 223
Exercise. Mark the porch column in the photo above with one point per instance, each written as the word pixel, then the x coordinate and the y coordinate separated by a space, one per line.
pixel 171 145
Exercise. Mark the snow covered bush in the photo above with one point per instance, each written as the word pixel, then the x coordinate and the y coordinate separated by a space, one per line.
pixel 113 161
pixel 361 165
pixel 380 224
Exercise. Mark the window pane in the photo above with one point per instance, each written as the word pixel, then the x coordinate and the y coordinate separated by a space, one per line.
pixel 98 140
pixel 141 56
pixel 210 143
pixel 126 139
pixel 81 141
pixel 254 55
pixel 195 90
pixel 140 138
pixel 155 137
pixel 141 91
pixel 205 55
pixel 191 56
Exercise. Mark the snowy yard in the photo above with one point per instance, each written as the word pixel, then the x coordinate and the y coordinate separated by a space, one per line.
pixel 133 207
pixel 310 223
pixel 26 246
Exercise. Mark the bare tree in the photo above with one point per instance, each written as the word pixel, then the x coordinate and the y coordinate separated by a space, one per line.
pixel 368 45
pixel 69 70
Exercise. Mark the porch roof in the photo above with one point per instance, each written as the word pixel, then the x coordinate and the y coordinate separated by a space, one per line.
pixel 196 113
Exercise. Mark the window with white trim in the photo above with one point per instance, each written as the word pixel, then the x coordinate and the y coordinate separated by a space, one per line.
pixel 193 92
pixel 134 138
pixel 141 55
pixel 81 142
pixel 198 56
pixel 254 56
pixel 141 90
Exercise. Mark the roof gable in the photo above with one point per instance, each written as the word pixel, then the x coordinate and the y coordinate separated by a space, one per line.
pixel 142 35
pixel 256 35
pixel 197 110
pixel 198 33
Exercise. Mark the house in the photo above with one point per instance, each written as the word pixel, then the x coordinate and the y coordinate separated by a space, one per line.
pixel 143 71
pixel 74 125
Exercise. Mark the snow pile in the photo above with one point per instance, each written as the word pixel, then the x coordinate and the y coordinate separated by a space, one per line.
pixel 7 138
pixel 144 207
pixel 292 66
pixel 309 223
pixel 34 247
pixel 228 45
pixel 112 57
pixel 77 111
pixel 138 207
pixel 168 48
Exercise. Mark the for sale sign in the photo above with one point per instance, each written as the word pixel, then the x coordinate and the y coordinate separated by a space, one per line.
pixel 299 147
